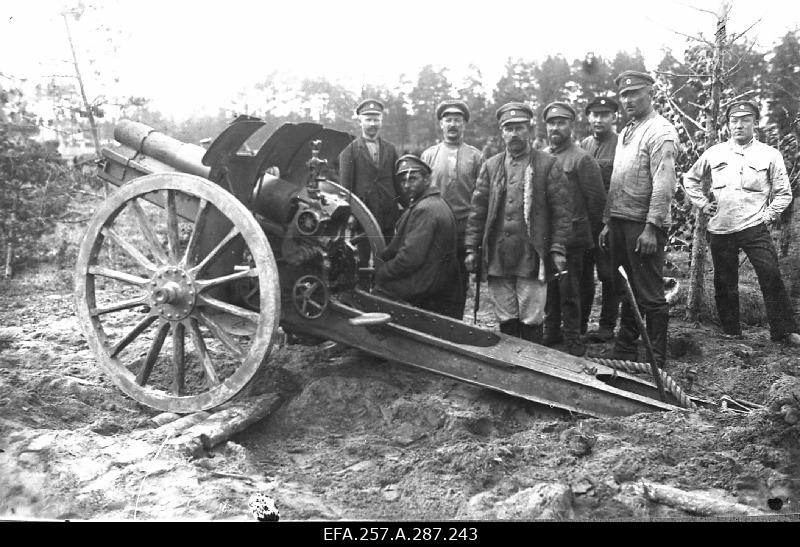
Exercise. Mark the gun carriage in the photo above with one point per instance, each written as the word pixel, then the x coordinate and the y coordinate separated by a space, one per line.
pixel 188 269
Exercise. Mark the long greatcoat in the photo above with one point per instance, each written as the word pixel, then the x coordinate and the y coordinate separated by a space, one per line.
pixel 374 184
pixel 548 208
pixel 420 264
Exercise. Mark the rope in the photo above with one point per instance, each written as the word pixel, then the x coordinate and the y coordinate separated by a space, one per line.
pixel 644 368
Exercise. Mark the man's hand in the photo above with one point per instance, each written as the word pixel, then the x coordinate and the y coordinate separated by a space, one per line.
pixel 710 209
pixel 646 243
pixel 559 261
pixel 469 261
pixel 602 239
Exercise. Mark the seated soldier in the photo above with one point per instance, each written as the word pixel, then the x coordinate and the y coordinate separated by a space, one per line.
pixel 420 265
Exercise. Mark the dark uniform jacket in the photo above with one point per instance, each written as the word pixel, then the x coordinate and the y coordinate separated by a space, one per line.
pixel 548 208
pixel 588 193
pixel 420 263
pixel 603 153
pixel 374 184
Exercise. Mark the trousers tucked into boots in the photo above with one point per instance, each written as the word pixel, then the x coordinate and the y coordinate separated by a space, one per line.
pixel 510 327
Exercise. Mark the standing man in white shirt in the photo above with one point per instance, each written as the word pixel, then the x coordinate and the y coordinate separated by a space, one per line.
pixel 749 190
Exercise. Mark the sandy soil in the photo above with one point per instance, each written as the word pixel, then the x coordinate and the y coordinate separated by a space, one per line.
pixel 360 438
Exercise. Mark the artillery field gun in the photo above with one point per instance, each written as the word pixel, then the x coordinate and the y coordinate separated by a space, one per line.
pixel 188 269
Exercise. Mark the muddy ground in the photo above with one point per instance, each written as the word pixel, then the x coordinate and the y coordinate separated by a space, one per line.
pixel 356 437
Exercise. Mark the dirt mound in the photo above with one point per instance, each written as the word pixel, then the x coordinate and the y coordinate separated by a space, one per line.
pixel 361 438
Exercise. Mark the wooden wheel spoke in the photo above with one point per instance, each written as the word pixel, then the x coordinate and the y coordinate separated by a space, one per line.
pixel 252 292
pixel 173 242
pixel 208 366
pixel 221 335
pixel 178 358
pixel 215 251
pixel 132 335
pixel 199 224
pixel 228 308
pixel 124 305
pixel 152 355
pixel 129 248
pixel 119 276
pixel 147 232
pixel 358 237
pixel 203 284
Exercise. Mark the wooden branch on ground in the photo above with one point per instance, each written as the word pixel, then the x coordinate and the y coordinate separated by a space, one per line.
pixel 222 425
pixel 695 502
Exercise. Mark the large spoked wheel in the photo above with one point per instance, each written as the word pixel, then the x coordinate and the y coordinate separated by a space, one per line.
pixel 365 236
pixel 158 264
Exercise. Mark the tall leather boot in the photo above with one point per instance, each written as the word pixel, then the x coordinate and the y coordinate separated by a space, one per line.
pixel 625 346
pixel 657 328
pixel 510 327
pixel 531 333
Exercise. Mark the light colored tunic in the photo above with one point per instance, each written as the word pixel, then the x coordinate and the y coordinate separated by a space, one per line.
pixel 749 183
pixel 642 185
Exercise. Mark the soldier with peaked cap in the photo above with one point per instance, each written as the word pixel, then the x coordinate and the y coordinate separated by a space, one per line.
pixel 420 265
pixel 366 168
pixel 749 190
pixel 585 184
pixel 601 113
pixel 637 214
pixel 455 166
pixel 520 220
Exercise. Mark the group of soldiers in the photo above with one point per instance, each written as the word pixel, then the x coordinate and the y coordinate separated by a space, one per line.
pixel 537 223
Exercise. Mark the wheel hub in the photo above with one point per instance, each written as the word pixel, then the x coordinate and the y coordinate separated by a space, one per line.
pixel 172 293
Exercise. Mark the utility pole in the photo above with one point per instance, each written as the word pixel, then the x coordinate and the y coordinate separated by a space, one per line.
pixel 86 104
pixel 696 294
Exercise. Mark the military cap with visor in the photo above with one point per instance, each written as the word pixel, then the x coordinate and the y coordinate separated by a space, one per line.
pixel 369 106
pixel 409 163
pixel 742 108
pixel 602 104
pixel 452 107
pixel 558 109
pixel 514 112
pixel 632 79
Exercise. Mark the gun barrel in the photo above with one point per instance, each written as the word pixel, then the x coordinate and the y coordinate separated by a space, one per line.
pixel 181 156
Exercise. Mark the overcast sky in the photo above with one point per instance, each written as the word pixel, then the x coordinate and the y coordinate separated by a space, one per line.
pixel 193 55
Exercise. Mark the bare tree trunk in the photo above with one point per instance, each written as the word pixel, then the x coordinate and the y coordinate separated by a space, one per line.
pixel 696 294
pixel 12 234
pixel 86 104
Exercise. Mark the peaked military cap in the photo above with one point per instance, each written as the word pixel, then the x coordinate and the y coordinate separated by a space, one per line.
pixel 558 109
pixel 410 162
pixel 452 107
pixel 631 79
pixel 369 106
pixel 514 112
pixel 602 104
pixel 742 108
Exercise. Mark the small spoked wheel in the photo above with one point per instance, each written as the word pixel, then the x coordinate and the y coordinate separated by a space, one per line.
pixel 310 296
pixel 155 292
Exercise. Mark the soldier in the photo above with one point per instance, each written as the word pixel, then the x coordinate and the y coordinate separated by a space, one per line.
pixel 520 220
pixel 749 190
pixel 455 166
pixel 637 213
pixel 366 168
pixel 602 115
pixel 585 183
pixel 420 265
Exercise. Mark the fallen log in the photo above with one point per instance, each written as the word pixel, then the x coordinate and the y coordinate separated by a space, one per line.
pixel 181 424
pixel 221 426
pixel 695 502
